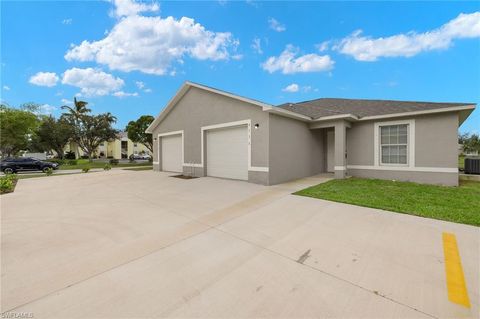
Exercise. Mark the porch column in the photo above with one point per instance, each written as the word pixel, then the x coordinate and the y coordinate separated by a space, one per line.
pixel 340 149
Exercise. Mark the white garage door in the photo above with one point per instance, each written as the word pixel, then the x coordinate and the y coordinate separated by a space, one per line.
pixel 227 153
pixel 172 153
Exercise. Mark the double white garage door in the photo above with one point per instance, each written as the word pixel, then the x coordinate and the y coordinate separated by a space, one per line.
pixel 226 152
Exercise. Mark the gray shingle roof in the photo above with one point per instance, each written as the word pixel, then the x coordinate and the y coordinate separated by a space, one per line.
pixel 361 108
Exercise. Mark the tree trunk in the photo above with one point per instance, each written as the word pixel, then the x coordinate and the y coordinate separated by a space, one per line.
pixel 59 152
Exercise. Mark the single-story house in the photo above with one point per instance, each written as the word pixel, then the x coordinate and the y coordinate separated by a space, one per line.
pixel 209 132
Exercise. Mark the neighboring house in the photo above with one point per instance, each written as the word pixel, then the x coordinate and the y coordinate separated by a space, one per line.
pixel 120 148
pixel 224 135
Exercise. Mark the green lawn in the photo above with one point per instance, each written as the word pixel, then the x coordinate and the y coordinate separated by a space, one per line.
pixel 81 163
pixel 146 168
pixel 26 176
pixel 456 204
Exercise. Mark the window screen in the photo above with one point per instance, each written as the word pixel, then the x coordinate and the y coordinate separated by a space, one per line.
pixel 393 144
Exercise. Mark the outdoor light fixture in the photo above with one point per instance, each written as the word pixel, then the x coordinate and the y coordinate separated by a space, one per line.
pixel 256 126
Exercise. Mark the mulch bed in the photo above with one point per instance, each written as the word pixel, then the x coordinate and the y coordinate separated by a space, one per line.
pixel 184 176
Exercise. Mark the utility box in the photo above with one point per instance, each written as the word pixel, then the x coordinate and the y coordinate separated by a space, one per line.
pixel 472 166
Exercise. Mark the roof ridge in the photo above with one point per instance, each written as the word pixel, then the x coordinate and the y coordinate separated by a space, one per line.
pixel 383 100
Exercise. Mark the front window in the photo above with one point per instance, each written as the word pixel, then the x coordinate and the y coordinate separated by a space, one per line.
pixel 394 144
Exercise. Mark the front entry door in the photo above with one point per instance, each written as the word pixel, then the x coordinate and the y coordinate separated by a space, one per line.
pixel 330 151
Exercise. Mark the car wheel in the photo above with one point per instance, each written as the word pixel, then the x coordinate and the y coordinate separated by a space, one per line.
pixel 8 170
pixel 45 169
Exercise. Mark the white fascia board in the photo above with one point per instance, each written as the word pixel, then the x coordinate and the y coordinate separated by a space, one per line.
pixel 286 113
pixel 443 110
pixel 337 117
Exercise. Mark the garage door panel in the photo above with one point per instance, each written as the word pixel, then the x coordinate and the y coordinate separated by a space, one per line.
pixel 227 153
pixel 172 153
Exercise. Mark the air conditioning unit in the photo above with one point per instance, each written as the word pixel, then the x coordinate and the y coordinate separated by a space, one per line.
pixel 472 166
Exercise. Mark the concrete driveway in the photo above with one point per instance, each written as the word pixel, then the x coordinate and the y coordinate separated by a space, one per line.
pixel 143 244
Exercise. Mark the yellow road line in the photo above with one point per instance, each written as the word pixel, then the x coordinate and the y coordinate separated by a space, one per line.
pixel 457 289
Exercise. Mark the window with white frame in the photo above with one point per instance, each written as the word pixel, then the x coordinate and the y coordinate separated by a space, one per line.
pixel 394 144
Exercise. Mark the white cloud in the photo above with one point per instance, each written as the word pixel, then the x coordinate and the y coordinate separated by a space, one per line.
pixel 6 88
pixel 152 44
pixel 46 109
pixel 275 25
pixel 292 88
pixel 252 3
pixel 289 63
pixel 67 21
pixel 44 79
pixel 364 48
pixel 257 45
pixel 122 94
pixel 307 88
pixel 140 84
pixel 323 46
pixel 92 82
pixel 125 8
pixel 66 102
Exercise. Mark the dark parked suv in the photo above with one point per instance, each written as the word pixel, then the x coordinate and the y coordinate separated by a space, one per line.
pixel 13 165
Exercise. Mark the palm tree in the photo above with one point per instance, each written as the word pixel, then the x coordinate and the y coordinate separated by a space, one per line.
pixel 79 108
pixel 89 131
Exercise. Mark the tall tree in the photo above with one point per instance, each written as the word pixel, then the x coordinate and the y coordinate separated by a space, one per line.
pixel 470 142
pixel 53 134
pixel 89 131
pixel 136 131
pixel 16 129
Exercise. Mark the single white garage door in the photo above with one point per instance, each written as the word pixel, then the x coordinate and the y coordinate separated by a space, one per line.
pixel 172 153
pixel 227 153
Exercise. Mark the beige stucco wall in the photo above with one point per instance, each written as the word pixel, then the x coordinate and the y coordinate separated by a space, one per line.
pixel 360 143
pixel 435 147
pixel 295 150
pixel 199 108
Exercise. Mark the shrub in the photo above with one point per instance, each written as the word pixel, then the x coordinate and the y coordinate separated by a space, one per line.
pixel 84 157
pixel 7 183
pixel 56 160
pixel 86 169
pixel 69 155
pixel 107 167
pixel 48 171
pixel 114 161
pixel 72 162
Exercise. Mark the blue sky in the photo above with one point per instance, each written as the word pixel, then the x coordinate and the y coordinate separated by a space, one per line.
pixel 129 58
